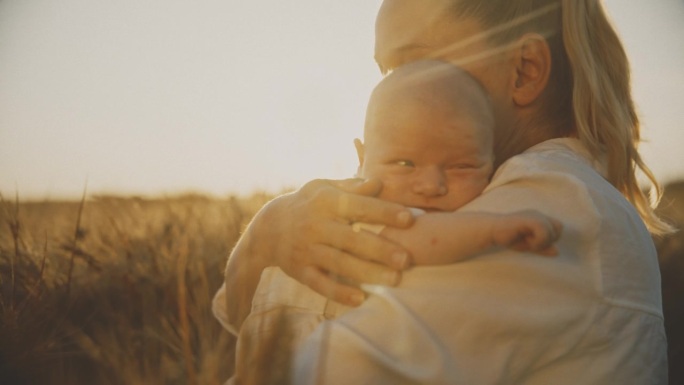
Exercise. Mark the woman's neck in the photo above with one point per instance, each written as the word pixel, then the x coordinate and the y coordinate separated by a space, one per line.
pixel 517 137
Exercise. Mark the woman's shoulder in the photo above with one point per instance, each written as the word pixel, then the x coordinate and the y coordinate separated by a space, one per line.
pixel 557 157
pixel 558 171
pixel 602 229
pixel 553 174
pixel 560 179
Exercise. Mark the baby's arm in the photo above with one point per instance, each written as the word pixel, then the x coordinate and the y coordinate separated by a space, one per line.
pixel 442 238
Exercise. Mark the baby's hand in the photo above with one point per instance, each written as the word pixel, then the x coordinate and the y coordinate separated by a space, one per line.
pixel 527 231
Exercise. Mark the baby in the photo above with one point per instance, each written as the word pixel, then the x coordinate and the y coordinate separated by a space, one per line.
pixel 429 138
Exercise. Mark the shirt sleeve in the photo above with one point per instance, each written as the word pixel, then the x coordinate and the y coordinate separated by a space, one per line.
pixel 219 308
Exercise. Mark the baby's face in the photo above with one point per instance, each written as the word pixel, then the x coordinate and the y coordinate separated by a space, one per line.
pixel 427 156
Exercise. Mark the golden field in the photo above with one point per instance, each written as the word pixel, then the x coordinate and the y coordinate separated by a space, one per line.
pixel 115 290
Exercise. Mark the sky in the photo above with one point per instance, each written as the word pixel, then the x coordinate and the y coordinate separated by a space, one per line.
pixel 159 97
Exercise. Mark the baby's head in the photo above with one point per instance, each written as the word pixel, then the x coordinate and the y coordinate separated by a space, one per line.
pixel 428 137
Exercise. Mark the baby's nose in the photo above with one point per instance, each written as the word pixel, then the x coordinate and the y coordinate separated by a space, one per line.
pixel 430 181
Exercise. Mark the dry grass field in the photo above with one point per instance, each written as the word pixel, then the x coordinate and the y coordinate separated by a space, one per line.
pixel 671 257
pixel 118 290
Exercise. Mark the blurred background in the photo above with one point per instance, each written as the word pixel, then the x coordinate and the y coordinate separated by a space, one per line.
pixel 169 96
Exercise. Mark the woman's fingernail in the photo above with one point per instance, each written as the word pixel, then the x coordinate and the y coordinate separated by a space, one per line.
pixel 404 217
pixel 400 260
pixel 357 299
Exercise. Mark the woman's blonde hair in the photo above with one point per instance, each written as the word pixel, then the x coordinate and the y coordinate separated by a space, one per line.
pixel 589 89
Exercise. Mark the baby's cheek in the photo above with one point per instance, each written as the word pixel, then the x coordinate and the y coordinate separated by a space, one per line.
pixel 475 187
pixel 462 193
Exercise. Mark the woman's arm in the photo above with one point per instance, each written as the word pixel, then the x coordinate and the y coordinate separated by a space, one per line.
pixel 308 235
pixel 442 238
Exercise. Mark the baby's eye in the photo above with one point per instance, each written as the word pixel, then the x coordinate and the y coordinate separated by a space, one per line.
pixel 461 166
pixel 405 163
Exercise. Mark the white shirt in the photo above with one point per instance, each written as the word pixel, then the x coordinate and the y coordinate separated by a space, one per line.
pixel 280 305
pixel 591 315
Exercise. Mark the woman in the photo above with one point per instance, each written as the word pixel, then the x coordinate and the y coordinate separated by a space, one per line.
pixel 566 145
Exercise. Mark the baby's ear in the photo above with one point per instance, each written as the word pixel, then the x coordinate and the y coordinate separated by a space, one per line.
pixel 360 152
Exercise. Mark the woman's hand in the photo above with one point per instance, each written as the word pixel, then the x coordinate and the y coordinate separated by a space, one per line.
pixel 309 235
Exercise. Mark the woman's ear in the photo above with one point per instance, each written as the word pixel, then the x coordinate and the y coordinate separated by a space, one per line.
pixel 360 152
pixel 533 68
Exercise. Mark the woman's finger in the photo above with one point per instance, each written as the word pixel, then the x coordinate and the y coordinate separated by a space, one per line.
pixel 323 284
pixel 343 197
pixel 359 208
pixel 341 264
pixel 367 187
pixel 364 245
